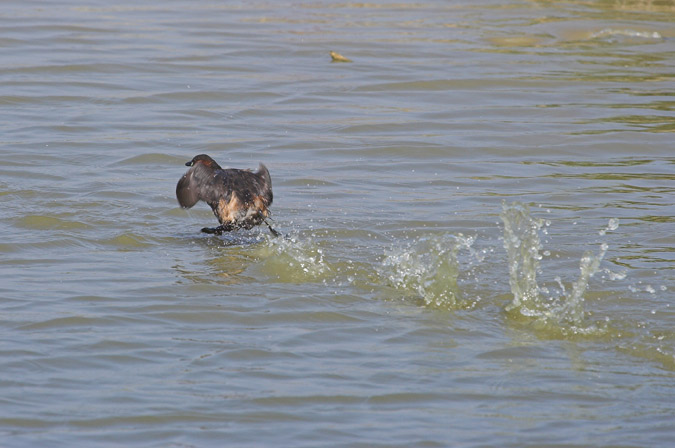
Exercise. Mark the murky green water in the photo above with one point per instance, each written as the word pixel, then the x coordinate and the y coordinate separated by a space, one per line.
pixel 477 213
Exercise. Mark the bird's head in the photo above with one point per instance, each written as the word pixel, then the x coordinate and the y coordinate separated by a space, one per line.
pixel 203 159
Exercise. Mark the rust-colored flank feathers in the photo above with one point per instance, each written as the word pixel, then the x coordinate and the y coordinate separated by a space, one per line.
pixel 238 198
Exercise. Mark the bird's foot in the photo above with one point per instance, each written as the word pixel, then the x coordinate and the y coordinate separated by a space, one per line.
pixel 263 218
pixel 274 232
pixel 214 230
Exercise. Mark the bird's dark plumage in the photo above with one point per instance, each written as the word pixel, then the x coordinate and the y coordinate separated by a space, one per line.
pixel 238 198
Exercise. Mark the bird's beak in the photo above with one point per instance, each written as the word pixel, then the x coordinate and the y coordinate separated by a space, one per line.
pixel 188 163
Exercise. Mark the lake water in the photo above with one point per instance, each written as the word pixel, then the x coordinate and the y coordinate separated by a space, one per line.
pixel 477 217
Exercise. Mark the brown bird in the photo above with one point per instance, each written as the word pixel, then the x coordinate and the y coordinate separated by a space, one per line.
pixel 238 198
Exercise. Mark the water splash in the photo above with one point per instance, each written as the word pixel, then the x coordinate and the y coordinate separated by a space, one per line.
pixel 428 268
pixel 294 258
pixel 521 240
pixel 522 244
pixel 612 225
pixel 571 309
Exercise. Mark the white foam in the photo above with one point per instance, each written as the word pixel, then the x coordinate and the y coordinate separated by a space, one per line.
pixel 611 33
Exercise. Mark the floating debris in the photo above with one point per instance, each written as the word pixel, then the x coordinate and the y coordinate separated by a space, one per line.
pixel 337 57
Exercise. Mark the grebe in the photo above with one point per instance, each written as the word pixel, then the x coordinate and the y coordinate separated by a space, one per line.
pixel 238 198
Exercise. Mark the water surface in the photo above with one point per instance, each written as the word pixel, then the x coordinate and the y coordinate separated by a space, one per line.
pixel 477 215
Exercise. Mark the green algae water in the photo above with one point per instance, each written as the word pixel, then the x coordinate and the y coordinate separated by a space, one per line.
pixel 476 213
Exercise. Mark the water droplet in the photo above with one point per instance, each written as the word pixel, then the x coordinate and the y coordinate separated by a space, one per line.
pixel 613 224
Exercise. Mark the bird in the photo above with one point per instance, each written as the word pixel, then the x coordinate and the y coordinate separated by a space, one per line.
pixel 240 199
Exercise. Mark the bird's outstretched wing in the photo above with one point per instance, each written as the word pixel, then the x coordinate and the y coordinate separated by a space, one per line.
pixel 187 190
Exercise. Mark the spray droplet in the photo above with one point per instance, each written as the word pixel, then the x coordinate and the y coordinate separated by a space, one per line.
pixel 613 224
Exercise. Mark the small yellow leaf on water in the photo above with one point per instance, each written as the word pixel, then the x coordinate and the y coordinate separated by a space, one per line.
pixel 337 57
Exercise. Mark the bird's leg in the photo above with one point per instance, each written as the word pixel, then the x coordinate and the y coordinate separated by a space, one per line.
pixel 274 232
